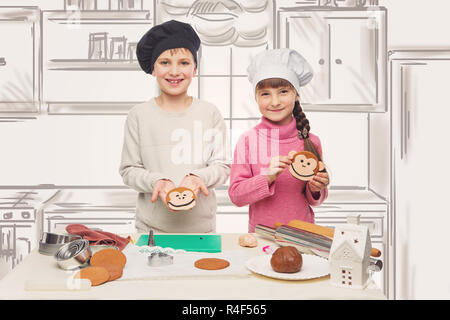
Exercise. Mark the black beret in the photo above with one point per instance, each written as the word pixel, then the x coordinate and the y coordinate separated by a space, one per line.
pixel 168 35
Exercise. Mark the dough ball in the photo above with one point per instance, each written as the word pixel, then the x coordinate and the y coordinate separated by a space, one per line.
pixel 286 260
pixel 248 240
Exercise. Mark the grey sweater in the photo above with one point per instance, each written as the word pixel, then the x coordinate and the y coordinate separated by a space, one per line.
pixel 170 145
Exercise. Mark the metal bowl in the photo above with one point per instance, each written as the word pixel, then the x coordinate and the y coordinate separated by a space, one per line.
pixel 51 242
pixel 58 238
pixel 73 255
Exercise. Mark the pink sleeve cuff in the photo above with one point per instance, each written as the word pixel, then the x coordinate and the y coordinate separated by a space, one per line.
pixel 316 202
pixel 251 190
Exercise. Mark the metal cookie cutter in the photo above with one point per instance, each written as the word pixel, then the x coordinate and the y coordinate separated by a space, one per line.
pixel 73 255
pixel 158 259
pixel 51 242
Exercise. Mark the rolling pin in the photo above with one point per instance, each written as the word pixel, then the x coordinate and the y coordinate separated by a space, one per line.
pixel 324 231
pixel 319 245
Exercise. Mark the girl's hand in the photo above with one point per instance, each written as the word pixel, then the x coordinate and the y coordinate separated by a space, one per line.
pixel 161 188
pixel 194 183
pixel 276 167
pixel 319 182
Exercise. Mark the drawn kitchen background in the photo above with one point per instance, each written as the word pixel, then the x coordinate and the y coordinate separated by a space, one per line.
pixel 378 100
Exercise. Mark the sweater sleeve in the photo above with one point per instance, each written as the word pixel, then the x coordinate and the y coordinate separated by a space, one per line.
pixel 217 168
pixel 320 200
pixel 324 192
pixel 245 188
pixel 131 168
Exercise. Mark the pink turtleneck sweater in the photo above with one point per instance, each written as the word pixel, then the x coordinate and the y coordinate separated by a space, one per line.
pixel 282 201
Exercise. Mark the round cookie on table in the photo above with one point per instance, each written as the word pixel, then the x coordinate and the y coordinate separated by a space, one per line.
pixel 211 264
pixel 108 257
pixel 105 265
pixel 97 275
pixel 115 271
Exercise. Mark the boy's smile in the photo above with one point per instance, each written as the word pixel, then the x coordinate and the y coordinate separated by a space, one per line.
pixel 174 70
pixel 174 82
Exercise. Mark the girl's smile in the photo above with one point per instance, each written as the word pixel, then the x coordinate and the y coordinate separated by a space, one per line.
pixel 277 110
pixel 276 104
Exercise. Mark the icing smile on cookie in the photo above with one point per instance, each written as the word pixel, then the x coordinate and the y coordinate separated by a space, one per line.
pixel 304 165
pixel 180 199
pixel 301 175
pixel 181 205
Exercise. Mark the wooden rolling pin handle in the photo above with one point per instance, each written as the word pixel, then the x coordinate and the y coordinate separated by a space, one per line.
pixel 375 252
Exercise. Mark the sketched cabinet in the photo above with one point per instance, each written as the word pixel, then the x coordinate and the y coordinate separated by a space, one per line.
pixel 19 36
pixel 420 113
pixel 347 51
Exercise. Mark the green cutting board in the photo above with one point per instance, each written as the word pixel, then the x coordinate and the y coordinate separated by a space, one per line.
pixel 188 242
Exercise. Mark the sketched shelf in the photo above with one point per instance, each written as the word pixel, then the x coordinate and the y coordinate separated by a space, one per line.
pixel 98 16
pixel 94 65
pixel 89 63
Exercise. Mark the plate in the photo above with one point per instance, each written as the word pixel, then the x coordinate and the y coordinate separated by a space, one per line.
pixel 313 267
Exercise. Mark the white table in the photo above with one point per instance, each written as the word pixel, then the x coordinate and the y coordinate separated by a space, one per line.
pixel 253 287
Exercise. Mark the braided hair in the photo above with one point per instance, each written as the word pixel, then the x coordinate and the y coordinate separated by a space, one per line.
pixel 303 128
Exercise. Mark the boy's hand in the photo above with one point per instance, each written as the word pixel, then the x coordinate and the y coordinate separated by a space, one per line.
pixel 276 167
pixel 319 182
pixel 161 188
pixel 194 183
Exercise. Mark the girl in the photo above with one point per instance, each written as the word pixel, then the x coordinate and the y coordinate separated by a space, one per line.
pixel 159 151
pixel 273 194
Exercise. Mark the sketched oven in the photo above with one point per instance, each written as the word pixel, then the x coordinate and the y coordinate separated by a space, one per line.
pixel 17 230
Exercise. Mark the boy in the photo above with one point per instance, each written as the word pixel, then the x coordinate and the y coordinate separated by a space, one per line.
pixel 159 152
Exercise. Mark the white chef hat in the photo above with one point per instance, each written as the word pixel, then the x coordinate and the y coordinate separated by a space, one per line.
pixel 286 64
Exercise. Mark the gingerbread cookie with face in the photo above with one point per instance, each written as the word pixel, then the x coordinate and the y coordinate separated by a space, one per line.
pixel 180 198
pixel 305 165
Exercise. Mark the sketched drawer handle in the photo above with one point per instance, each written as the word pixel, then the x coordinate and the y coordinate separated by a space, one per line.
pixel 2 61
pixel 7 215
pixel 26 214
pixel 321 61
pixel 338 61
